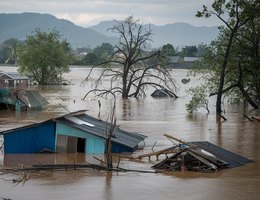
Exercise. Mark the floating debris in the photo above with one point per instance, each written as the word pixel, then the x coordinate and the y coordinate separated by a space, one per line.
pixel 199 157
pixel 257 118
pixel 185 80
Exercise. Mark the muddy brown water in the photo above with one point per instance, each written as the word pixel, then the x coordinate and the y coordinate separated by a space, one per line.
pixel 149 116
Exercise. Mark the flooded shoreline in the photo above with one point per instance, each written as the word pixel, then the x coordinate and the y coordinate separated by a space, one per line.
pixel 151 117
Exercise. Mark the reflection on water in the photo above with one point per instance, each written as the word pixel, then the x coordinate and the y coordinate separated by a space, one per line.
pixel 152 117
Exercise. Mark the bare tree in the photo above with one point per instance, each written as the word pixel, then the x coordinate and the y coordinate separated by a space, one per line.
pixel 131 69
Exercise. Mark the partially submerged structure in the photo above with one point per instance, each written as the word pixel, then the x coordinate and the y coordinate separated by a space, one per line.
pixel 21 99
pixel 200 157
pixel 75 132
pixel 178 62
pixel 13 80
pixel 162 93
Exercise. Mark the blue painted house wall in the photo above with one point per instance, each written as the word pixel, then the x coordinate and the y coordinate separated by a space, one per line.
pixel 93 143
pixel 31 139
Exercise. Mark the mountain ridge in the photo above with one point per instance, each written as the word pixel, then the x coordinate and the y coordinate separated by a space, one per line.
pixel 18 25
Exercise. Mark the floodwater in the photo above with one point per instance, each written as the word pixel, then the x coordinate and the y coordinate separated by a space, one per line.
pixel 149 116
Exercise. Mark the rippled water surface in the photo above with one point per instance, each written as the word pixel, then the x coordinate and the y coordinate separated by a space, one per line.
pixel 149 116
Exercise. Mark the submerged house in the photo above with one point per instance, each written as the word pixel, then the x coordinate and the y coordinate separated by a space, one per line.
pixel 30 139
pixel 162 93
pixel 75 132
pixel 13 80
pixel 201 156
pixel 20 99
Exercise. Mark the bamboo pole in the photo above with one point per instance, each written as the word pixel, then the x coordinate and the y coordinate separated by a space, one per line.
pixel 180 141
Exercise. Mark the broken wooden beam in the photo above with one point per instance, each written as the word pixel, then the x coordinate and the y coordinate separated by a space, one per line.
pixel 158 153
pixel 180 141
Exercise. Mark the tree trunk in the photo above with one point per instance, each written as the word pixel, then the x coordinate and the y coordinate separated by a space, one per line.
pixel 223 71
pixel 248 98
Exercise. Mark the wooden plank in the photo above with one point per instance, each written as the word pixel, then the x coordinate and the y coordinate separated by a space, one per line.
pixel 180 141
pixel 157 153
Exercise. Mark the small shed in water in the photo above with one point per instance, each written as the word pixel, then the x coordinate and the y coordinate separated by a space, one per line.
pixel 13 80
pixel 75 132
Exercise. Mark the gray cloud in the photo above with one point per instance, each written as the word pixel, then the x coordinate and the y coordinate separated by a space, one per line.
pixel 89 12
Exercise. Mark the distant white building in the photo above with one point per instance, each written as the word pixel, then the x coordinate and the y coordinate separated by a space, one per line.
pixel 191 59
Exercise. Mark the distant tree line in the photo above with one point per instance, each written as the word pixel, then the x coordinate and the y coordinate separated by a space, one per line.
pixel 88 56
pixel 101 53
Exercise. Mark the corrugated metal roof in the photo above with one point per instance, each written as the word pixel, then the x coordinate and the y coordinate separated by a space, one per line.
pixel 191 59
pixel 160 93
pixel 101 129
pixel 174 59
pixel 14 75
pixel 234 160
pixel 35 99
pixel 24 127
pixel 31 98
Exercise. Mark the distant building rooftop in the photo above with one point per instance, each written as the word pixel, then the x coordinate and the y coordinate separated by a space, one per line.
pixel 191 59
pixel 174 59
pixel 13 76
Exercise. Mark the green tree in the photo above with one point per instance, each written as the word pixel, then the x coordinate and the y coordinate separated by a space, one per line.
pixel 104 49
pixel 8 51
pixel 189 51
pixel 99 54
pixel 226 73
pixel 199 99
pixel 90 59
pixel 5 53
pixel 44 57
pixel 127 68
pixel 168 50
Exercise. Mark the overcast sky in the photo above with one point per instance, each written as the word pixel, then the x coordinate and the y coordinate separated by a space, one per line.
pixel 90 12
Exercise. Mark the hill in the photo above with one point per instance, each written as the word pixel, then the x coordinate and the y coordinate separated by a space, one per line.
pixel 20 25
pixel 178 34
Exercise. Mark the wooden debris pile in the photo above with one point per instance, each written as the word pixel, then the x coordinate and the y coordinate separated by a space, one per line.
pixel 190 157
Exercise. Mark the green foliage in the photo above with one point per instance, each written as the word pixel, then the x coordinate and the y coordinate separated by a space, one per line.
pixel 168 50
pixel 231 64
pixel 8 50
pixel 91 59
pixel 5 53
pixel 44 57
pixel 199 99
pixel 189 51
pixel 99 55
pixel 105 49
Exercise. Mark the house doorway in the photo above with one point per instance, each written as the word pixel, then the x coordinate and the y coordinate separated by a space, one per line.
pixel 81 145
